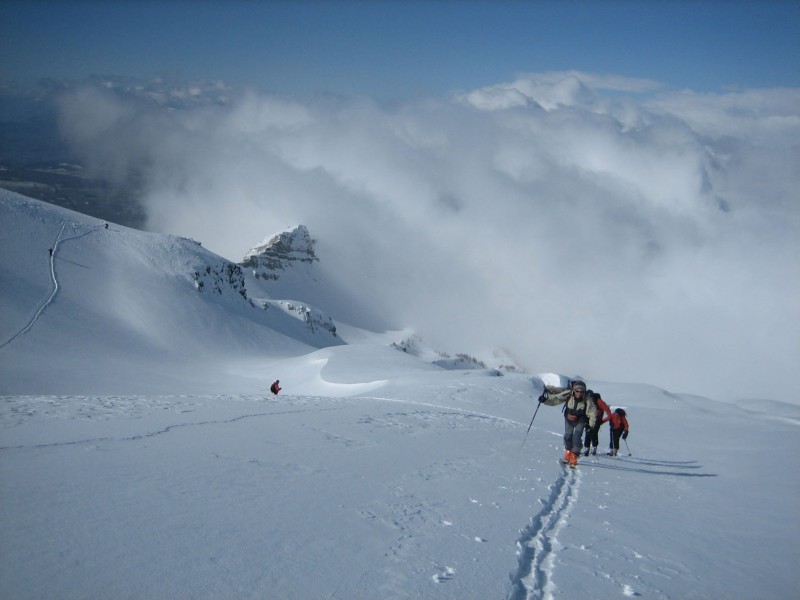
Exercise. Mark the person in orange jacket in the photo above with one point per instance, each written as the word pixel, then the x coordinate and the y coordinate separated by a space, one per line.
pixel 619 429
pixel 592 438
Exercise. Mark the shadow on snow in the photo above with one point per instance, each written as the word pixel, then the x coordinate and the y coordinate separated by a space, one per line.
pixel 635 465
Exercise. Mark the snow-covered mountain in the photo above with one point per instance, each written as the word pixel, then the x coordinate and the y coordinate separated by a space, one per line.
pixel 282 266
pixel 141 455
pixel 280 253
pixel 108 293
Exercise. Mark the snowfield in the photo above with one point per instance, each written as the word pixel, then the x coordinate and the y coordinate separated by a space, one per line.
pixel 141 455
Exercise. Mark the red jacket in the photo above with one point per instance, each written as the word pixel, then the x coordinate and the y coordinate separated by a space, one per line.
pixel 617 421
pixel 602 408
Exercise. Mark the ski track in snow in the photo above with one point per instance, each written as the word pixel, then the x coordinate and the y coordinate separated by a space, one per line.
pixel 451 409
pixel 54 279
pixel 11 415
pixel 538 545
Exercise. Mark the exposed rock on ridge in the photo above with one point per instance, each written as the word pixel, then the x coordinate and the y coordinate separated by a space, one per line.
pixel 277 255
pixel 279 252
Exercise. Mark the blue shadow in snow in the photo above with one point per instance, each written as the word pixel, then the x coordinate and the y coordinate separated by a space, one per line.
pixel 638 466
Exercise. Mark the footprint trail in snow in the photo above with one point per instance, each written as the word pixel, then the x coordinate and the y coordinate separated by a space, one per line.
pixel 538 543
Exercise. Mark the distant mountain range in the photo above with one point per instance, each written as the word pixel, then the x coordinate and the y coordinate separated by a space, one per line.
pixel 36 161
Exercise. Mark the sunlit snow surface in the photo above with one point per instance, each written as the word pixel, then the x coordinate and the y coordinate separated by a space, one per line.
pixel 422 490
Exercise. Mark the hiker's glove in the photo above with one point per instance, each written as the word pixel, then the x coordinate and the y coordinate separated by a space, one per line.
pixel 543 397
pixel 624 435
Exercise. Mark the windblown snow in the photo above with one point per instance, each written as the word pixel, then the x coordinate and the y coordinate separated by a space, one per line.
pixel 142 456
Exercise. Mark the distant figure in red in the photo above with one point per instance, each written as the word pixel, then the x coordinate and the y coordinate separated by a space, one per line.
pixel 275 387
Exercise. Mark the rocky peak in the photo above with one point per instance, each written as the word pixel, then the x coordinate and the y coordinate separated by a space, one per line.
pixel 279 252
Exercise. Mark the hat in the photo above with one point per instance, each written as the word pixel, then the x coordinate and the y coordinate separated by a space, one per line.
pixel 578 385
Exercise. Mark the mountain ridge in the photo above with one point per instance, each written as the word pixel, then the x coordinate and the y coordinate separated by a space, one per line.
pixel 162 297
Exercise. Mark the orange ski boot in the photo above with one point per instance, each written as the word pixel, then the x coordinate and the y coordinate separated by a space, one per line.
pixel 573 460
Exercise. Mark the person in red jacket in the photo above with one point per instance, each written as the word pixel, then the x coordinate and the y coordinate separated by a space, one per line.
pixel 275 387
pixel 592 438
pixel 619 429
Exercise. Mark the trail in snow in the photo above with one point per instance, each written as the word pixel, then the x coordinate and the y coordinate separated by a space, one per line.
pixel 538 544
pixel 440 407
pixel 54 279
pixel 170 428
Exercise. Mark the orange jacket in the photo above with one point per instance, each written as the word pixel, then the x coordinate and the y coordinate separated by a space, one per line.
pixel 617 421
pixel 602 408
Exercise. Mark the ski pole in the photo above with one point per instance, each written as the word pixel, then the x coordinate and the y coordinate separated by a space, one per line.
pixel 628 447
pixel 529 426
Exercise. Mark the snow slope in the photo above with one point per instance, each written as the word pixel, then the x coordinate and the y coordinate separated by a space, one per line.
pixel 110 296
pixel 375 474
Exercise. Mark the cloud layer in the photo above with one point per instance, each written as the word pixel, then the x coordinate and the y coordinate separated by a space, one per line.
pixel 584 224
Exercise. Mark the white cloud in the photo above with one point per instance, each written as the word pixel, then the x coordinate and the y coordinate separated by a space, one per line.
pixel 553 90
pixel 591 224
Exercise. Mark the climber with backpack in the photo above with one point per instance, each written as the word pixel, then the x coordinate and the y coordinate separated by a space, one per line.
pixel 592 439
pixel 578 412
pixel 619 429
pixel 275 387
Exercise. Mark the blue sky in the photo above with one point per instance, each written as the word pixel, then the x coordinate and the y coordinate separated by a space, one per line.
pixel 397 49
